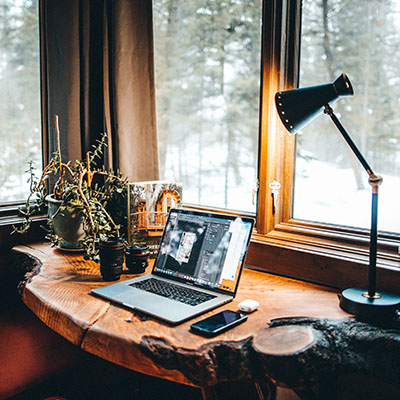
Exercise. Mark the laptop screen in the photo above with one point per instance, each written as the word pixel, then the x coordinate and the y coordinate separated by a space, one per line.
pixel 205 249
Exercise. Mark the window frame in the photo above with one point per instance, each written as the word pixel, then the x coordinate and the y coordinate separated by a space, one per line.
pixel 327 254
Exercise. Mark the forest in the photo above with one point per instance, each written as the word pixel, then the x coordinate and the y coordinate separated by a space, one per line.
pixel 362 39
pixel 207 56
pixel 20 129
pixel 207 70
pixel 207 75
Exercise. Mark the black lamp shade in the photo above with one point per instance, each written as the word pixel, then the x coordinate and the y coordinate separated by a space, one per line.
pixel 298 107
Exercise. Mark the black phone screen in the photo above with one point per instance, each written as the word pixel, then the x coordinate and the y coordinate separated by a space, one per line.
pixel 218 323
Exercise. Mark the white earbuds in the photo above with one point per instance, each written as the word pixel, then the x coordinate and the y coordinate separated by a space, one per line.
pixel 248 306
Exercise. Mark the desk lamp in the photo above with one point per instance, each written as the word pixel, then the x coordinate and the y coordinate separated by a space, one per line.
pixel 298 107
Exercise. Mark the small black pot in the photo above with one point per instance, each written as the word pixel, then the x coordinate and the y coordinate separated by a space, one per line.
pixel 136 258
pixel 111 252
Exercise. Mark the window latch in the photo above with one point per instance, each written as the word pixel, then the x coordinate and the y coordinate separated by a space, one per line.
pixel 274 186
pixel 254 192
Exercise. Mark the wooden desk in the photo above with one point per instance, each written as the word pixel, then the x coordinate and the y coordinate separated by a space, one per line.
pixel 58 292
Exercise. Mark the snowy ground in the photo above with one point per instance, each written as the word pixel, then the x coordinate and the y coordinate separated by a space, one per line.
pixel 325 193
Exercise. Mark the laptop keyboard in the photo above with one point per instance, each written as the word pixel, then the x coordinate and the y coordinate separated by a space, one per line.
pixel 174 292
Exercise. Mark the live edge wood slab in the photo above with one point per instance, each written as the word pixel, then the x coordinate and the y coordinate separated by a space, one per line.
pixel 298 336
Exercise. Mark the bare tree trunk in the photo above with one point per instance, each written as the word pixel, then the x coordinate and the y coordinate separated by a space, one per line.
pixel 165 107
pixel 365 122
pixel 200 166
pixel 326 41
pixel 331 71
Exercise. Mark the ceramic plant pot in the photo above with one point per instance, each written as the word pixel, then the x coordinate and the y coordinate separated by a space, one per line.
pixel 67 224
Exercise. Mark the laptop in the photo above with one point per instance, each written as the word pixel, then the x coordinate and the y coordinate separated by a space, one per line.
pixel 198 267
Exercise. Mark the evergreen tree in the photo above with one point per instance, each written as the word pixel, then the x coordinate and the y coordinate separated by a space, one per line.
pixel 20 130
pixel 207 77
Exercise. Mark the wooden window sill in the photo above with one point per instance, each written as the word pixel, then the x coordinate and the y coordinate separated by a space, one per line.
pixel 321 260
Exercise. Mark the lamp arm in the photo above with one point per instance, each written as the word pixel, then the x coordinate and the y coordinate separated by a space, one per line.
pixel 328 110
pixel 374 181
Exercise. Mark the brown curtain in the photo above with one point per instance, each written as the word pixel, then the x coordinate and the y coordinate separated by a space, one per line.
pixel 98 75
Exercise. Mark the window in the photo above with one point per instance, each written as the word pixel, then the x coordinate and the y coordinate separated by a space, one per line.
pixel 297 244
pixel 207 56
pixel 361 39
pixel 20 115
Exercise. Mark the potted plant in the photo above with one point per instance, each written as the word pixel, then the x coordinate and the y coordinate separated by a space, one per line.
pixel 79 206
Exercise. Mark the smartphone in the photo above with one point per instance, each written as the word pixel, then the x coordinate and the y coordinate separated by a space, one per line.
pixel 218 323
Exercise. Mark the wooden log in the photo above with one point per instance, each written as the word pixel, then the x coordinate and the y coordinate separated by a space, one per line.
pixel 21 267
pixel 286 355
pixel 214 362
pixel 300 352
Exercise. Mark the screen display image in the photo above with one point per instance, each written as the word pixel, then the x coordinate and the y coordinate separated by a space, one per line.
pixel 186 246
pixel 207 251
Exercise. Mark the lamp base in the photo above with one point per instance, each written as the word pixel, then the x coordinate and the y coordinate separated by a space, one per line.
pixel 382 306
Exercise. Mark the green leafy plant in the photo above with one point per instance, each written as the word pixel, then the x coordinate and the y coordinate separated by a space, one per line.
pixel 82 186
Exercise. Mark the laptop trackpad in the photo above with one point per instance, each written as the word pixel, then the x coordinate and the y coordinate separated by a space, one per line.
pixel 139 299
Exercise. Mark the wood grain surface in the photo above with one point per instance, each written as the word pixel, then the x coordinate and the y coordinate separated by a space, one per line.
pixel 59 294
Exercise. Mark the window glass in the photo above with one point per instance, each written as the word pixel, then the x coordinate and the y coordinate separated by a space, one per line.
pixel 207 60
pixel 20 128
pixel 361 39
